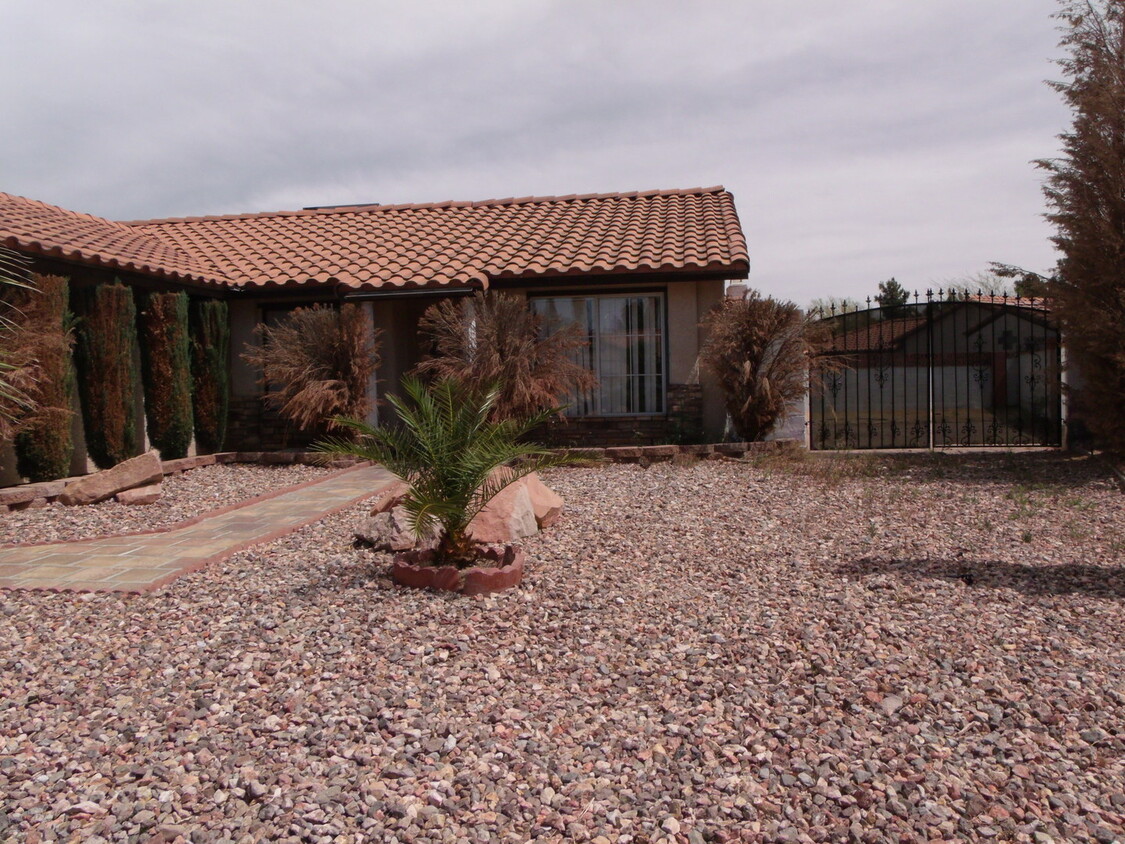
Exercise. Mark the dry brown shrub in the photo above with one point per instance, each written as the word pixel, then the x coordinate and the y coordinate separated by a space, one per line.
pixel 495 339
pixel 44 446
pixel 35 341
pixel 24 343
pixel 759 350
pixel 316 364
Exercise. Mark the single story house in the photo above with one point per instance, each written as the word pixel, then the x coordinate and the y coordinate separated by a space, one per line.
pixel 638 270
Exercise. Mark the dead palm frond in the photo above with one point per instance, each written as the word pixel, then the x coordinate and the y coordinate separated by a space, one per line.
pixel 317 363
pixel 495 339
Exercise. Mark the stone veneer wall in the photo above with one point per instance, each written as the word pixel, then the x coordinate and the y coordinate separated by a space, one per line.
pixel 682 423
pixel 253 426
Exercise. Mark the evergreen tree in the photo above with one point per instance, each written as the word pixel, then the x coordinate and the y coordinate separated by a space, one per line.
pixel 210 370
pixel 108 383
pixel 892 294
pixel 166 368
pixel 1087 206
pixel 44 447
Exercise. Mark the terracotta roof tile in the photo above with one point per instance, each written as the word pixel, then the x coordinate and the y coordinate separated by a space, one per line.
pixel 414 245
pixel 469 242
pixel 38 228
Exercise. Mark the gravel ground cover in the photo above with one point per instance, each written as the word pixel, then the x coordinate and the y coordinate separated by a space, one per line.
pixel 863 649
pixel 187 495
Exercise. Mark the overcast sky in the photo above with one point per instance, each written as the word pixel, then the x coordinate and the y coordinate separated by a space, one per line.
pixel 862 140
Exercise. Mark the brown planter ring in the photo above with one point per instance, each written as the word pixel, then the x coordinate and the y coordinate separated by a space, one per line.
pixel 410 568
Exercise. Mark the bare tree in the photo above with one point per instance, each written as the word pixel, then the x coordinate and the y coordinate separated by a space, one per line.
pixel 989 283
pixel 829 305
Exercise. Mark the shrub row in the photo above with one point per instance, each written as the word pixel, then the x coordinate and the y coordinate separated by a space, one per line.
pixel 182 347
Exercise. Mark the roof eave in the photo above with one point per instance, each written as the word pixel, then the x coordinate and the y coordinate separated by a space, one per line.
pixel 77 256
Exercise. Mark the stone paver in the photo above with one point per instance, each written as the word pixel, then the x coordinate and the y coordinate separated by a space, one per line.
pixel 146 561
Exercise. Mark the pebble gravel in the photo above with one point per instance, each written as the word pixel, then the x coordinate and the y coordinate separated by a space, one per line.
pixel 786 650
pixel 185 496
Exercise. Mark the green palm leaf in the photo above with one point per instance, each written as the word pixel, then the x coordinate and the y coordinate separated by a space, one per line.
pixel 447 450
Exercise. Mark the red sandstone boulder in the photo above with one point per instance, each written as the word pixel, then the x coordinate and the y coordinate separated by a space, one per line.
pixel 390 498
pixel 547 504
pixel 507 517
pixel 520 510
pixel 140 495
pixel 137 471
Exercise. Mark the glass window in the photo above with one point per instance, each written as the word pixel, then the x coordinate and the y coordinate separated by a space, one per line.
pixel 625 349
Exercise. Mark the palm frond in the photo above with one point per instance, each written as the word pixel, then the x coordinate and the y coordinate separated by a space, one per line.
pixel 447 448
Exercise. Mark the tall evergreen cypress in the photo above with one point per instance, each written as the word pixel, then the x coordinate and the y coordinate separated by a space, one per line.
pixel 107 384
pixel 210 367
pixel 166 370
pixel 1087 201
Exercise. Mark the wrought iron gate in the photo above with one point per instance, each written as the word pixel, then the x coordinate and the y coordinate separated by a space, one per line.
pixel 939 372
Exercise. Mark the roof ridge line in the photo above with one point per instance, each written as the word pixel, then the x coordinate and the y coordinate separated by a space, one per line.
pixel 85 214
pixel 423 206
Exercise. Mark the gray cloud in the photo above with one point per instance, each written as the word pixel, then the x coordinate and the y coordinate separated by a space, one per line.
pixel 862 140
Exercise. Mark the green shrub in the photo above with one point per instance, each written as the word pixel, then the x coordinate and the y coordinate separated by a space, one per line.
pixel 107 383
pixel 44 447
pixel 210 370
pixel 166 369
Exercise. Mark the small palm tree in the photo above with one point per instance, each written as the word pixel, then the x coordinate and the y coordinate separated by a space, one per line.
pixel 446 449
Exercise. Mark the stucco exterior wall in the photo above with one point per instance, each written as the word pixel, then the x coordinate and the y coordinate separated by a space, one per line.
pixel 708 295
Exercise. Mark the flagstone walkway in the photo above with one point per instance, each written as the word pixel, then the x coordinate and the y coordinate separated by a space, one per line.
pixel 141 562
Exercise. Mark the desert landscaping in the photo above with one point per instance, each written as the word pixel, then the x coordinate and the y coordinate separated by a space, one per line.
pixel 777 649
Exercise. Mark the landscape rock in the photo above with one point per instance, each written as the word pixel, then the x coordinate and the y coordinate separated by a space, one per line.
pixel 388 531
pixel 508 517
pixel 710 643
pixel 547 504
pixel 186 496
pixel 390 498
pixel 136 471
pixel 149 494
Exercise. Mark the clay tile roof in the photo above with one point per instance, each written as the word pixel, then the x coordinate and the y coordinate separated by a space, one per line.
pixel 878 336
pixel 466 243
pixel 38 228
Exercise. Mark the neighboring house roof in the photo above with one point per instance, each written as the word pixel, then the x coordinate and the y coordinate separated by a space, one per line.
pixel 889 334
pixel 406 246
pixel 37 228
pixel 886 334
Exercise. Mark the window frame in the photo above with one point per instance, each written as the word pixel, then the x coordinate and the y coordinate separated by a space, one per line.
pixel 661 296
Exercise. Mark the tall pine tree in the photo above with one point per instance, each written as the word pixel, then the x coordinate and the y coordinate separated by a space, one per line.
pixel 1085 190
